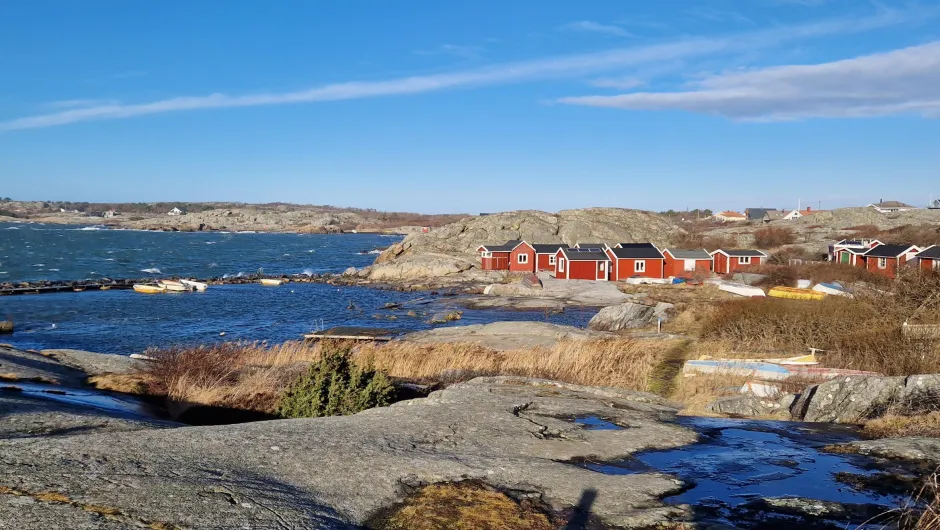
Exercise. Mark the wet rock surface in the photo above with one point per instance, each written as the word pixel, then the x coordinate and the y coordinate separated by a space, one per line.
pixel 623 316
pixel 514 434
pixel 914 448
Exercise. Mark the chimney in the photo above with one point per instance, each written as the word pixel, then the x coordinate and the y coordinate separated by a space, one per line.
pixel 809 208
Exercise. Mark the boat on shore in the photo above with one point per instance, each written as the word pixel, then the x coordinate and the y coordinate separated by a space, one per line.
pixel 148 289
pixel 173 286
pixel 271 281
pixel 193 284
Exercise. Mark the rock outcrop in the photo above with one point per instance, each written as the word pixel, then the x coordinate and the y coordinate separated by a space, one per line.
pixel 857 398
pixel 501 336
pixel 451 249
pixel 334 473
pixel 6 326
pixel 628 316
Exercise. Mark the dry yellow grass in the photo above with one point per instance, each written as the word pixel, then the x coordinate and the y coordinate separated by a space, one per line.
pixel 126 383
pixel 252 376
pixel 463 506
pixel 623 363
pixel 890 426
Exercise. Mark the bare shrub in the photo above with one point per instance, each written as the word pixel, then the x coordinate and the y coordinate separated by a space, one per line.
pixel 774 237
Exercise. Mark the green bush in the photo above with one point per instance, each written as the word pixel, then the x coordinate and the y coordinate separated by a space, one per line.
pixel 335 386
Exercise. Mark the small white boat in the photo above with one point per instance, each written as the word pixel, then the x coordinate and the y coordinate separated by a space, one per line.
pixel 149 289
pixel 271 281
pixel 199 286
pixel 741 289
pixel 173 286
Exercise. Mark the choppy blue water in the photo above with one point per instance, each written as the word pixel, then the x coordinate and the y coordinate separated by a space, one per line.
pixel 30 252
pixel 127 322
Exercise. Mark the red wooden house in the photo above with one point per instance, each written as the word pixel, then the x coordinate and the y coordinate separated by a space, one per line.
pixel 851 251
pixel 496 257
pixel 545 255
pixel 635 260
pixel 886 259
pixel 728 261
pixel 522 258
pixel 929 258
pixel 581 264
pixel 682 262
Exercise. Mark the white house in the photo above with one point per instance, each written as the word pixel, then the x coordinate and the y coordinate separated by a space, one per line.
pixel 175 211
pixel 109 214
pixel 891 206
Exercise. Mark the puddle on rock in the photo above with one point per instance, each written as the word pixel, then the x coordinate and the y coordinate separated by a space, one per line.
pixel 738 463
pixel 84 398
pixel 593 423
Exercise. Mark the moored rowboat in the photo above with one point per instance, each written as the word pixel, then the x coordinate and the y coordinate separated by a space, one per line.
pixel 199 286
pixel 173 285
pixel 794 293
pixel 148 289
pixel 271 281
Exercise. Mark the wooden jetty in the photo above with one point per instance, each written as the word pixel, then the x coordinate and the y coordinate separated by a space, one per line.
pixel 353 333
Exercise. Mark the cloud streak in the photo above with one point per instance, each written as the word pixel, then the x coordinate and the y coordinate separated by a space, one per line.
pixel 905 81
pixel 563 67
pixel 589 26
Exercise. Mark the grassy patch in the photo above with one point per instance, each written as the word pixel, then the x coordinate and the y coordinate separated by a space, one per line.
pixel 890 426
pixel 125 383
pixel 462 506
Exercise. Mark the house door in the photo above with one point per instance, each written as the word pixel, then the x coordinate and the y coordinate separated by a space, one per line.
pixel 601 270
pixel 845 258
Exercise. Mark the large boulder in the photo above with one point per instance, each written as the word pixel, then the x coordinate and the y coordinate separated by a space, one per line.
pixel 6 326
pixel 414 269
pixel 751 405
pixel 623 316
pixel 857 398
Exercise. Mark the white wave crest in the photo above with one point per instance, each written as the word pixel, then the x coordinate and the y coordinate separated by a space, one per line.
pixel 152 270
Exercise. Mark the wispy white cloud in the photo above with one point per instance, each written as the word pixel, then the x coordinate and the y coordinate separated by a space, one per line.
pixel 457 50
pixel 905 81
pixel 562 67
pixel 589 26
pixel 78 103
pixel 622 83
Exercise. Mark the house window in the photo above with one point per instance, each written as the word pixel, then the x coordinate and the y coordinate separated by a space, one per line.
pixel 936 264
pixel 744 260
pixel 882 263
pixel 551 260
pixel 487 254
pixel 688 265
pixel 561 265
pixel 639 266
pixel 603 266
pixel 523 258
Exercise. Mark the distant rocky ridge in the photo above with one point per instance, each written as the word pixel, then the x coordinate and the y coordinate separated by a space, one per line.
pixel 450 251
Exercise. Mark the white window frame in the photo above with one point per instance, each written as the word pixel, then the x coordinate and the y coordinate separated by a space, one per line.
pixel 882 263
pixel 561 265
pixel 551 259
pixel 936 264
pixel 744 260
pixel 487 254
pixel 639 265
pixel 688 265
pixel 522 259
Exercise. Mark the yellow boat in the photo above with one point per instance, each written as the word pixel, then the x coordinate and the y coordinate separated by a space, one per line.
pixel 794 293
pixel 271 281
pixel 148 289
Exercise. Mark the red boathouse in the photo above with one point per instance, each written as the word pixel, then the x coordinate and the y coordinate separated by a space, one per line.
pixel 728 261
pixel 581 264
pixel 631 260
pixel 682 262
pixel 496 257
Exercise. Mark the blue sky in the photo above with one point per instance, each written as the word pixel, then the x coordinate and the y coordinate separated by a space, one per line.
pixel 472 106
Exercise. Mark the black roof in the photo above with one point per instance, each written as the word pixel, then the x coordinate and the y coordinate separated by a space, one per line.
pixel 503 248
pixel 932 252
pixel 756 214
pixel 887 251
pixel 585 254
pixel 600 246
pixel 548 248
pixel 637 251
pixel 742 252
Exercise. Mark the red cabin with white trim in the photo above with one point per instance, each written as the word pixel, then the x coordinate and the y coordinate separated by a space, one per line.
pixel 929 258
pixel 496 257
pixel 683 262
pixel 728 261
pixel 887 259
pixel 581 264
pixel 631 260
pixel 522 258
